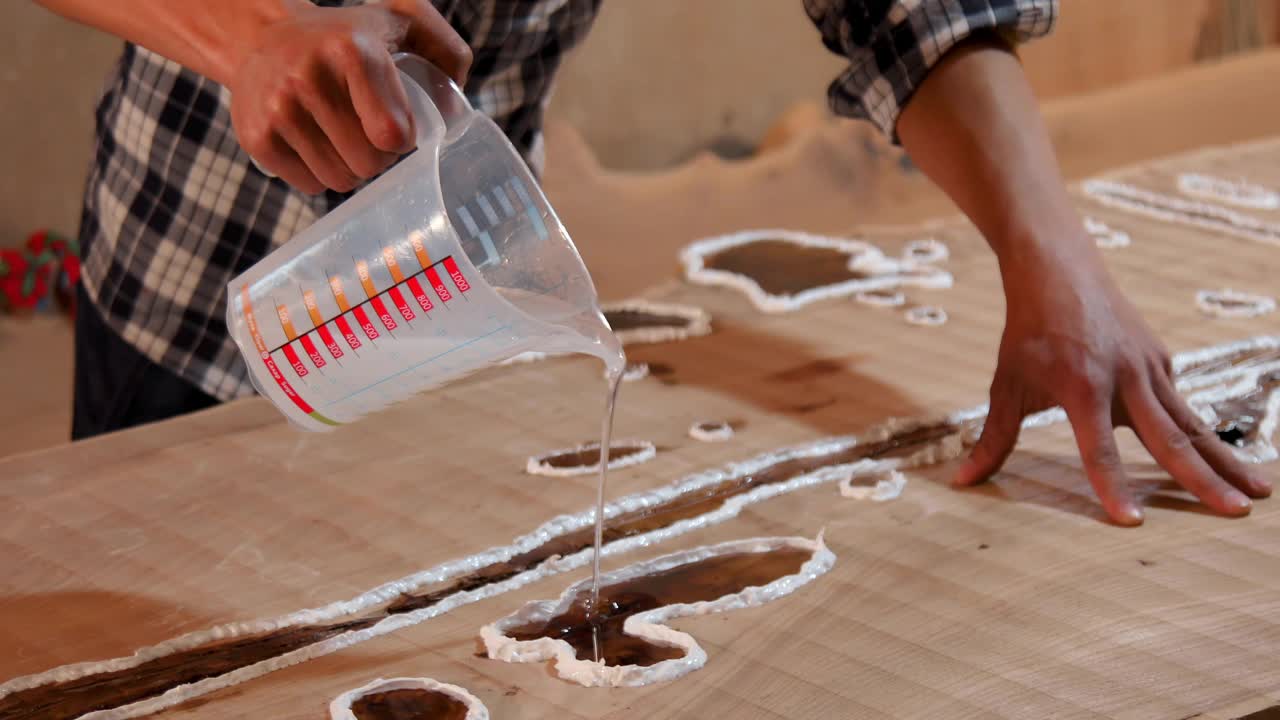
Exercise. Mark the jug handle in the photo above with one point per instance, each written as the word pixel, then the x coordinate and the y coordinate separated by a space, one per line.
pixel 446 105
pixel 436 101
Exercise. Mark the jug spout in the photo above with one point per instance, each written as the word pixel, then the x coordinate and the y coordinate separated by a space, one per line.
pixel 451 261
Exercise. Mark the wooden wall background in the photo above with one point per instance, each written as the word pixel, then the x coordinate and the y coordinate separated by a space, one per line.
pixel 641 101
pixel 633 90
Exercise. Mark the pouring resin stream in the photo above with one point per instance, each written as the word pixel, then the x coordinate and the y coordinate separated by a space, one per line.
pixel 450 262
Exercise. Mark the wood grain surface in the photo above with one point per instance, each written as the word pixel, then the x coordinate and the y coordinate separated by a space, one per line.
pixel 1012 600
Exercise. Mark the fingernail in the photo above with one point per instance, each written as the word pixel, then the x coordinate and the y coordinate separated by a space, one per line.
pixel 1130 516
pixel 1239 502
pixel 1263 486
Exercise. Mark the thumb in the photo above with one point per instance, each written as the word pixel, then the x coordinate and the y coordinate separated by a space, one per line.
pixel 999 436
pixel 430 36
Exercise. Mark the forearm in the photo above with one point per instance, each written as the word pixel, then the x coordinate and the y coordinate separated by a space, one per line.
pixel 207 37
pixel 973 127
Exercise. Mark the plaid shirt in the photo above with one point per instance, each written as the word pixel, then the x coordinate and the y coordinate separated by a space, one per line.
pixel 174 208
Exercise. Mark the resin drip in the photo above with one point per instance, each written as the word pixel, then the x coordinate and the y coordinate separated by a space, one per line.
pixel 600 636
pixel 606 436
pixel 68 694
pixel 105 690
pixel 409 704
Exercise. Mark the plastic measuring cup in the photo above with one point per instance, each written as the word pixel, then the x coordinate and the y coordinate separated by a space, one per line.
pixel 450 261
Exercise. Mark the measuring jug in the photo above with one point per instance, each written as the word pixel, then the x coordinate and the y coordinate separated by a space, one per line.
pixel 450 261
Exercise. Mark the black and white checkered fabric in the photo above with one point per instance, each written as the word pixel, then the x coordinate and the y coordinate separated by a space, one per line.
pixel 174 208
pixel 892 44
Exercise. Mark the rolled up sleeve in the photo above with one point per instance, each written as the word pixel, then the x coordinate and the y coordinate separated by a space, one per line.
pixel 892 44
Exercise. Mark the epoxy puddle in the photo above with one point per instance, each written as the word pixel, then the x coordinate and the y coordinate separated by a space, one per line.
pixel 626 641
pixel 166 674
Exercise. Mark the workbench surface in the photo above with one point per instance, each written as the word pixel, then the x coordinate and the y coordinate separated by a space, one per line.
pixel 1014 600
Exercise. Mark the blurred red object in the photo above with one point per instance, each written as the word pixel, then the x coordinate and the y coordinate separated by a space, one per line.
pixel 47 263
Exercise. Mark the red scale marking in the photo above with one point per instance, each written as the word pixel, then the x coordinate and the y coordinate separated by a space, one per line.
pixel 397 297
pixel 285 386
pixel 363 320
pixel 381 309
pixel 295 361
pixel 344 327
pixel 327 338
pixel 420 295
pixel 451 267
pixel 316 358
pixel 437 284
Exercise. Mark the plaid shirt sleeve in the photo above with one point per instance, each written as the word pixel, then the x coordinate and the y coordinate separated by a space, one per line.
pixel 892 44
pixel 174 208
pixel 516 59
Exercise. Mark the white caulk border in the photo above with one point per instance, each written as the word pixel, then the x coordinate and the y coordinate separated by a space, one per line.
pixel 926 251
pixel 340 708
pixel 1210 303
pixel 863 255
pixel 1240 193
pixel 1105 236
pixel 651 625
pixel 889 486
pixel 946 449
pixel 538 465
pixel 926 316
pixel 698 321
pixel 721 431
pixel 1179 211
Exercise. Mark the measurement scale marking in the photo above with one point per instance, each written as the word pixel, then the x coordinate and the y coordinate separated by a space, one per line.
pixel 380 309
pixel 487 208
pixel 389 257
pixel 529 209
pixel 327 338
pixel 424 301
pixel 316 358
pixel 366 281
pixel 251 321
pixel 335 285
pixel 339 296
pixel 347 333
pixel 507 209
pixel 313 308
pixel 415 366
pixel 290 332
pixel 397 298
pixel 456 275
pixel 362 320
pixel 419 248
pixel 437 284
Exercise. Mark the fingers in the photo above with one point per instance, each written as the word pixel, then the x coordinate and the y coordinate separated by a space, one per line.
pixel 1095 438
pixel 298 128
pixel 308 129
pixel 999 436
pixel 334 112
pixel 1178 454
pixel 432 37
pixel 379 100
pixel 274 155
pixel 1216 453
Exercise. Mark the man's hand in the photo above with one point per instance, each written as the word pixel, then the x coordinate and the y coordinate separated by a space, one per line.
pixel 315 96
pixel 317 100
pixel 1071 339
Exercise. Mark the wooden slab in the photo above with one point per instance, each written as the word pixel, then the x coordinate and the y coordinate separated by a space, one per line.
pixel 1012 600
pixel 826 175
